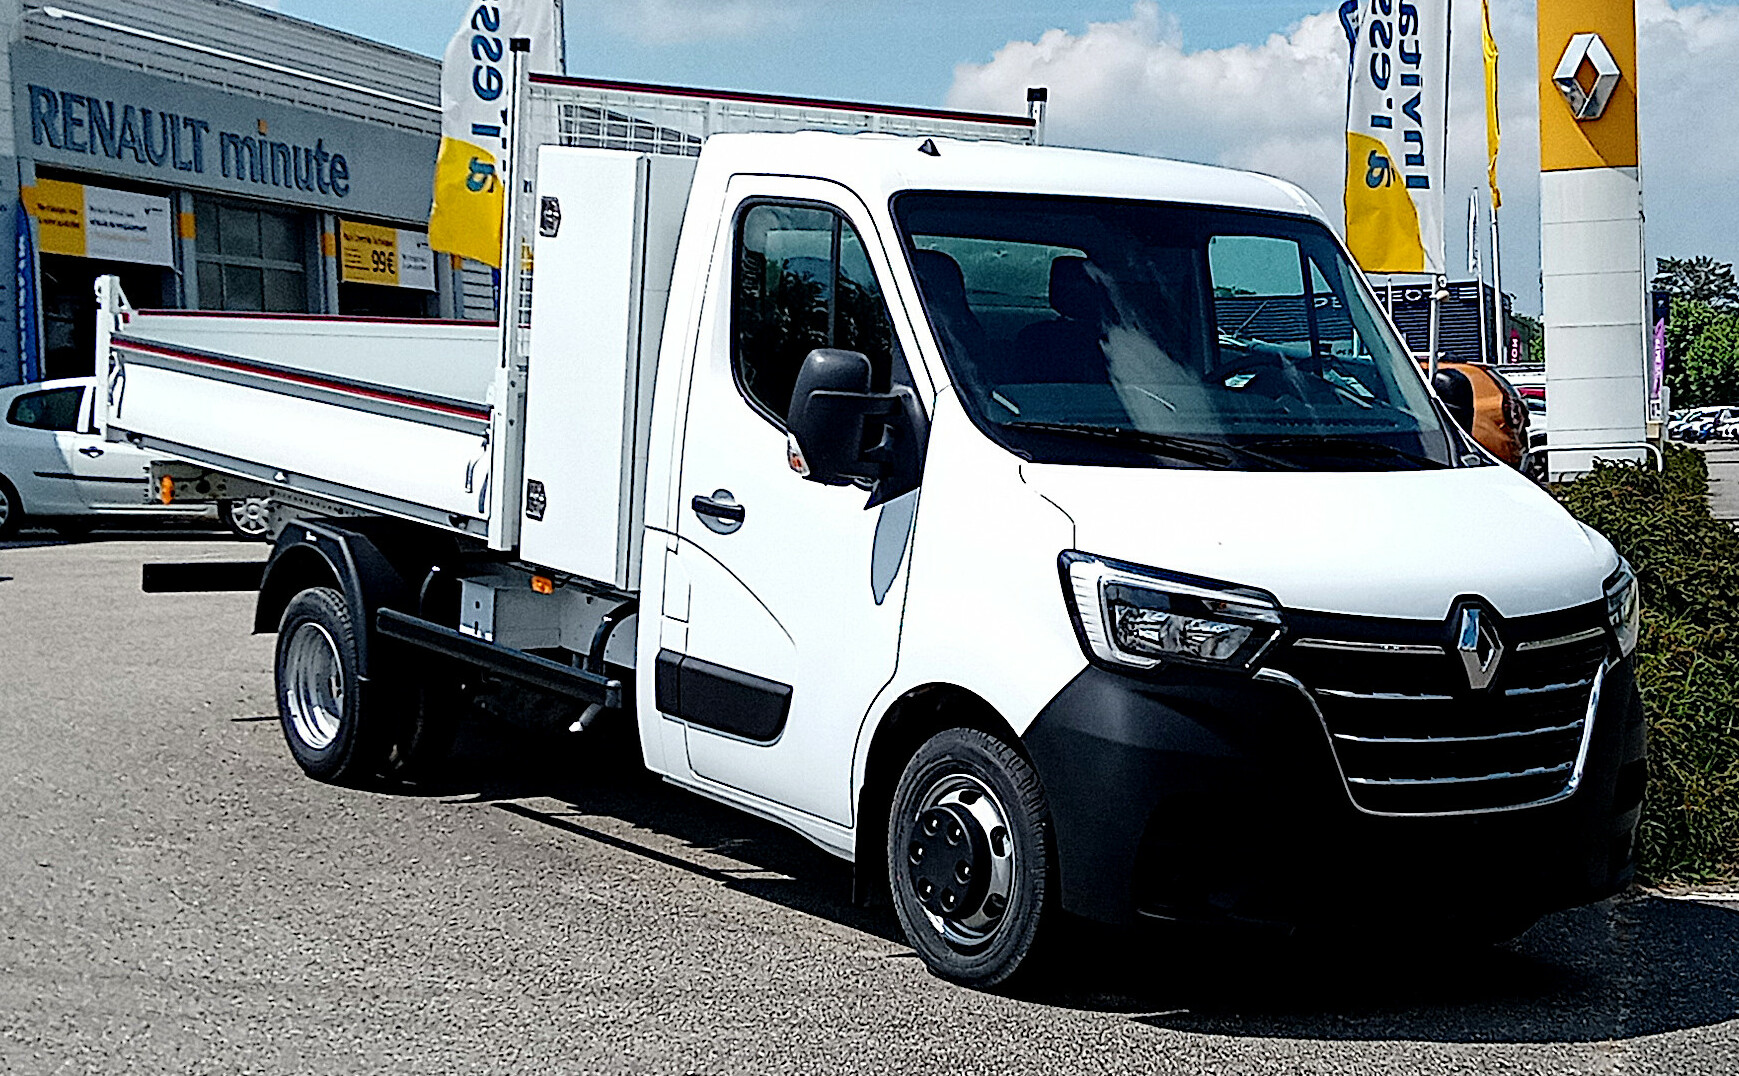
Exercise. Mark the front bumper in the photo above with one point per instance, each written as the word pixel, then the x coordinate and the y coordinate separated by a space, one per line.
pixel 1201 796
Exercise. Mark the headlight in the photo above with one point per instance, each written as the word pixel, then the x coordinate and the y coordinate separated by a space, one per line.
pixel 1624 607
pixel 1139 617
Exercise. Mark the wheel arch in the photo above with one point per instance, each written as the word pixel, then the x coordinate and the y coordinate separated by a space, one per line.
pixel 908 721
pixel 375 563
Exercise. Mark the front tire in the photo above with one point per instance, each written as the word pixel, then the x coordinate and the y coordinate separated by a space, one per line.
pixel 318 681
pixel 11 511
pixel 970 858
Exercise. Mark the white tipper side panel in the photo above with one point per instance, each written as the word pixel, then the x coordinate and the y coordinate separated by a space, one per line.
pixel 416 463
pixel 597 313
pixel 382 415
pixel 446 359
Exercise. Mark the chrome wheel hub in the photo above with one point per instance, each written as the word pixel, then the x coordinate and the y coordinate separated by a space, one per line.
pixel 960 859
pixel 314 685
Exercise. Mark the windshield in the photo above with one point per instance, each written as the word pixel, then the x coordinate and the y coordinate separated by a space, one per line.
pixel 1082 330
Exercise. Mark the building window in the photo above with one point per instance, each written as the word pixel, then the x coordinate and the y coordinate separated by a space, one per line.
pixel 251 257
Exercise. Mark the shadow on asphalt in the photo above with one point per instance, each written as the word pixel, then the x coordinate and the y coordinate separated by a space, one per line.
pixel 599 774
pixel 1639 965
pixel 168 532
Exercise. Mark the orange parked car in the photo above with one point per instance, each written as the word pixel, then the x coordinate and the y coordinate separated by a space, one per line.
pixel 1487 406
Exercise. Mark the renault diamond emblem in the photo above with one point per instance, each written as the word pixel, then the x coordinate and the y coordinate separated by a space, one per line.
pixel 1480 649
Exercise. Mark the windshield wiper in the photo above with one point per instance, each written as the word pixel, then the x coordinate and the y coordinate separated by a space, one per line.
pixel 1214 453
pixel 1348 447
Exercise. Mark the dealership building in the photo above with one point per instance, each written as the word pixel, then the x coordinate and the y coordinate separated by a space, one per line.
pixel 215 156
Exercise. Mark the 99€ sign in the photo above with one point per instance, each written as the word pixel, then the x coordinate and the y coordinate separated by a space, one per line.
pixel 393 257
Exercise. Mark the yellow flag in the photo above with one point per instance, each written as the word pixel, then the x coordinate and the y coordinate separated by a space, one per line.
pixel 1493 133
pixel 1397 101
pixel 476 87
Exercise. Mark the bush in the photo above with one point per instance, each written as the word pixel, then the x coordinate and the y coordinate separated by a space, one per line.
pixel 1688 660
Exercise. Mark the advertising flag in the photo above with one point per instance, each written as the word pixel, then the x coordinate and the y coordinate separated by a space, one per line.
pixel 476 85
pixel 1397 104
pixel 1493 132
pixel 29 339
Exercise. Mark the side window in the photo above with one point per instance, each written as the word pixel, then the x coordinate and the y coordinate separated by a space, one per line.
pixel 803 281
pixel 56 409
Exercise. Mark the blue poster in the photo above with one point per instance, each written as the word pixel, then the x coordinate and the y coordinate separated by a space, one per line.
pixel 29 350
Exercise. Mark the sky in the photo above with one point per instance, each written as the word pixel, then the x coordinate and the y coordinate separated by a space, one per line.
pixel 1256 84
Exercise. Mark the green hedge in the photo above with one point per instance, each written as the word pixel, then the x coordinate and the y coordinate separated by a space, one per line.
pixel 1688 660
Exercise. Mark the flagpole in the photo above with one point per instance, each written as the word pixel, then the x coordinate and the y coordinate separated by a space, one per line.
pixel 1497 289
pixel 1439 283
pixel 562 35
pixel 1477 264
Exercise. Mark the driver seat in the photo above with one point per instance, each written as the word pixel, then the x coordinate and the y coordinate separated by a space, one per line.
pixel 1071 347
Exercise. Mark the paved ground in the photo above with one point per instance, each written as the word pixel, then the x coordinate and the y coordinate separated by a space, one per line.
pixel 176 898
pixel 1724 481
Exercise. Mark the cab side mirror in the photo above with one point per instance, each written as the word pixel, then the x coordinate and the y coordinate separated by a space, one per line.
pixel 843 434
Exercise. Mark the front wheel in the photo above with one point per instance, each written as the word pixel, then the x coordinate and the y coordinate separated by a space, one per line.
pixel 11 511
pixel 318 674
pixel 969 857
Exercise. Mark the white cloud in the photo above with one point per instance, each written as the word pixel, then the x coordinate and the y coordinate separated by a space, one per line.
pixel 666 22
pixel 1278 107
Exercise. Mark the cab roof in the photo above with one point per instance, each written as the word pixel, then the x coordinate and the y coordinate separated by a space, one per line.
pixel 879 166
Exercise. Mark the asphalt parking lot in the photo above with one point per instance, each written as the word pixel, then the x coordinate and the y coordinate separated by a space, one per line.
pixel 1723 462
pixel 176 898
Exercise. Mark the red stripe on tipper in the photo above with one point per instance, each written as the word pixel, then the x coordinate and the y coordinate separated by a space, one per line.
pixel 309 380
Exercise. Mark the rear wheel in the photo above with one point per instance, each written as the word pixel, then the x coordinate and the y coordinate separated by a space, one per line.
pixel 329 734
pixel 969 857
pixel 11 512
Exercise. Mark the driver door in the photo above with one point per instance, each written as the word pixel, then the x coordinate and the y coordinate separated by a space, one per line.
pixel 795 590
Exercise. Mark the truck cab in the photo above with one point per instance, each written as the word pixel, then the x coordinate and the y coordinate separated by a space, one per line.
pixel 1148 513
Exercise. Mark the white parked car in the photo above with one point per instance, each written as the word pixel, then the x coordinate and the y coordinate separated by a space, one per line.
pixel 1704 424
pixel 56 467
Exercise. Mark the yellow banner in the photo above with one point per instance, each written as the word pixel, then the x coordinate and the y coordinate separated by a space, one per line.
pixel 1493 130
pixel 1610 141
pixel 1382 219
pixel 368 254
pixel 60 210
pixel 469 203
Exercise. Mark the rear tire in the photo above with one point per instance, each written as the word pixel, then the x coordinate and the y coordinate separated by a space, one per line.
pixel 423 752
pixel 970 858
pixel 318 685
pixel 11 511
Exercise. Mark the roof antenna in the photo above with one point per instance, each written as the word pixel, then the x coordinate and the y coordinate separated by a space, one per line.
pixel 929 149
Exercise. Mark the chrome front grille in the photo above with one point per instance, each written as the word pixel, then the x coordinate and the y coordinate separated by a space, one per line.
pixel 1412 738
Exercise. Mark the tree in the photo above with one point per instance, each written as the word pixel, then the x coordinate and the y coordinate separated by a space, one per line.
pixel 1701 279
pixel 1702 354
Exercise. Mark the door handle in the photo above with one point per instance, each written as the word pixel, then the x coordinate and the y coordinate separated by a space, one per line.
pixel 91 451
pixel 721 513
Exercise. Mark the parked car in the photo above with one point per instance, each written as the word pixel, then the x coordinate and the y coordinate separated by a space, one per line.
pixel 55 467
pixel 1487 406
pixel 1700 424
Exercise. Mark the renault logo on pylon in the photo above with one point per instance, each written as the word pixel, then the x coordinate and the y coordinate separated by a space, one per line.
pixel 1480 649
